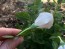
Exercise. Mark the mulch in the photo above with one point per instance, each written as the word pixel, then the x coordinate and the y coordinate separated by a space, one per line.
pixel 8 9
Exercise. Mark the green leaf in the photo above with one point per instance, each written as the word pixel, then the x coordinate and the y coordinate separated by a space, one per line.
pixel 37 36
pixel 55 45
pixel 63 1
pixel 59 1
pixel 40 36
pixel 24 15
pixel 58 17
pixel 37 2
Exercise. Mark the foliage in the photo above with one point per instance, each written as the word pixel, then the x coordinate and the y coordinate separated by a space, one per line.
pixel 41 38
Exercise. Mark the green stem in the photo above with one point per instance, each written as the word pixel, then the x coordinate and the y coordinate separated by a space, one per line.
pixel 61 41
pixel 23 32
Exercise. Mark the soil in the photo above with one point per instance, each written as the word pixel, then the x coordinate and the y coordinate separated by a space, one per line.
pixel 8 8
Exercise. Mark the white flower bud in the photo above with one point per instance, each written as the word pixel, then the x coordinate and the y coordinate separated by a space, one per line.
pixel 62 43
pixel 44 20
pixel 61 47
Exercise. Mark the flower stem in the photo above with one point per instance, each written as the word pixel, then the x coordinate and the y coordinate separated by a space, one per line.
pixel 61 41
pixel 24 31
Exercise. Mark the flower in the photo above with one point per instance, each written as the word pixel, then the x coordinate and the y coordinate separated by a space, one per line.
pixel 44 20
pixel 62 43
pixel 61 47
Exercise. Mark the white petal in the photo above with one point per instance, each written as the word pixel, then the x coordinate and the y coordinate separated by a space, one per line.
pixel 60 47
pixel 44 20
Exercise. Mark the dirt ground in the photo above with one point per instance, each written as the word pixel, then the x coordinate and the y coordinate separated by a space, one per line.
pixel 8 8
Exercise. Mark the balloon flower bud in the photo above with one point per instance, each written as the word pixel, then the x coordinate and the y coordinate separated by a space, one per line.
pixel 62 44
pixel 44 20
pixel 61 47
